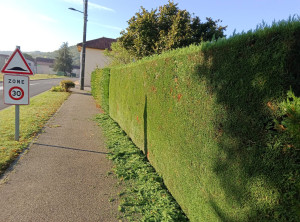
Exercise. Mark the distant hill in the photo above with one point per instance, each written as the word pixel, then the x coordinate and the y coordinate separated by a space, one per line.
pixel 6 52
pixel 52 55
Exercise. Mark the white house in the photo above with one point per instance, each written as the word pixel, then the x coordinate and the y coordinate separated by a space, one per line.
pixel 3 59
pixel 76 71
pixel 94 56
pixel 44 65
pixel 31 65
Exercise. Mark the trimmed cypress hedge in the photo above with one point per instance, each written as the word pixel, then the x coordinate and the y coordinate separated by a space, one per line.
pixel 204 116
pixel 100 87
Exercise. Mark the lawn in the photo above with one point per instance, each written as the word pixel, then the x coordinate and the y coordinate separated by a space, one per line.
pixel 32 119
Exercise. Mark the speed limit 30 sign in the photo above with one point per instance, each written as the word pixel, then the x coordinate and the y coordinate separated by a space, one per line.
pixel 16 89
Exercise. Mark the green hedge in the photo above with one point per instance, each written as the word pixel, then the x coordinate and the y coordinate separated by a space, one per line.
pixel 204 116
pixel 100 87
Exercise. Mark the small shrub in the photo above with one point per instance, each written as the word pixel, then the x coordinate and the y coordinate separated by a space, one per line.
pixel 60 73
pixel 56 89
pixel 66 85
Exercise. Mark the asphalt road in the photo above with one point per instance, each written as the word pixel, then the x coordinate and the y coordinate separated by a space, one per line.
pixel 36 87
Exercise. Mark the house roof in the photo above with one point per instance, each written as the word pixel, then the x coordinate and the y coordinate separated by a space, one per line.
pixel 40 59
pixel 101 43
pixel 3 55
pixel 30 60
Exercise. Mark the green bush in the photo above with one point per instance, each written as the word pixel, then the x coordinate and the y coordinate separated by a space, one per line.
pixel 100 87
pixel 57 89
pixel 60 73
pixel 66 85
pixel 204 116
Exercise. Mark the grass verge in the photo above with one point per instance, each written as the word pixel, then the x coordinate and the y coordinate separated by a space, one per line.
pixel 45 76
pixel 145 197
pixel 32 118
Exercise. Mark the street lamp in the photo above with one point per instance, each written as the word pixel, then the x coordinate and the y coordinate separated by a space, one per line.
pixel 83 42
pixel 76 10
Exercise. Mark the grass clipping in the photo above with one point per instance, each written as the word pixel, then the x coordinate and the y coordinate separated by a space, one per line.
pixel 32 119
pixel 145 197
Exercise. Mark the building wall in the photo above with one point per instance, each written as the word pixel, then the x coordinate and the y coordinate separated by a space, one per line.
pixel 77 72
pixel 31 65
pixel 93 58
pixel 2 61
pixel 44 69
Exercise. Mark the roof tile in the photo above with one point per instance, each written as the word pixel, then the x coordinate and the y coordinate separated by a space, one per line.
pixel 101 43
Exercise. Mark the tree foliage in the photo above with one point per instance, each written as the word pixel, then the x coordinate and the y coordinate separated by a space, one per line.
pixel 27 56
pixel 155 31
pixel 64 61
pixel 118 54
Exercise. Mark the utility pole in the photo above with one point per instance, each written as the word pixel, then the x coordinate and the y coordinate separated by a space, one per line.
pixel 83 42
pixel 83 45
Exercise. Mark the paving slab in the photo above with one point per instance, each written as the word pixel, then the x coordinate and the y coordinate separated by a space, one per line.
pixel 63 174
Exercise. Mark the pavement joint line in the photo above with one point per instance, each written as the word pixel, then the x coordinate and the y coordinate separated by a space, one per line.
pixel 70 148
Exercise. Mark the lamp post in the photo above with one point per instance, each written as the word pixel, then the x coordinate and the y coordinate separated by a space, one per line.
pixel 83 42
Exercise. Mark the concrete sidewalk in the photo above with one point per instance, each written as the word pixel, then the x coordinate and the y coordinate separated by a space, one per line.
pixel 63 176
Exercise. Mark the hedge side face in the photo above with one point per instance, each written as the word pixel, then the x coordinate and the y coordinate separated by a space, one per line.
pixel 205 120
pixel 100 87
pixel 127 101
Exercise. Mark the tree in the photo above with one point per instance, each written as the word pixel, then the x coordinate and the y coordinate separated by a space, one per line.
pixel 118 54
pixel 141 35
pixel 27 56
pixel 174 28
pixel 167 28
pixel 63 62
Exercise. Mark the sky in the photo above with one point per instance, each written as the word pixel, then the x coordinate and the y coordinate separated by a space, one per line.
pixel 43 25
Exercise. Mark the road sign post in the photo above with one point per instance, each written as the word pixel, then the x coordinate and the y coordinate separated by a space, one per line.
pixel 17 122
pixel 16 92
pixel 16 87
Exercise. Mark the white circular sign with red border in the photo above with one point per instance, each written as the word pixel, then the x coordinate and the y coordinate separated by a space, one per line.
pixel 16 93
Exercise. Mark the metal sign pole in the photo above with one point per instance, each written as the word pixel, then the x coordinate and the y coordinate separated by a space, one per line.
pixel 17 122
pixel 17 117
pixel 16 87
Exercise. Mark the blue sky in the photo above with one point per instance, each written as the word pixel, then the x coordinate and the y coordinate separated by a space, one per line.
pixel 44 25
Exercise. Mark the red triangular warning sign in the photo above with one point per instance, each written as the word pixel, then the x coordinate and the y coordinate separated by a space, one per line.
pixel 17 64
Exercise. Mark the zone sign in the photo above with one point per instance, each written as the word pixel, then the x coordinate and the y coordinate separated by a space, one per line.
pixel 16 89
